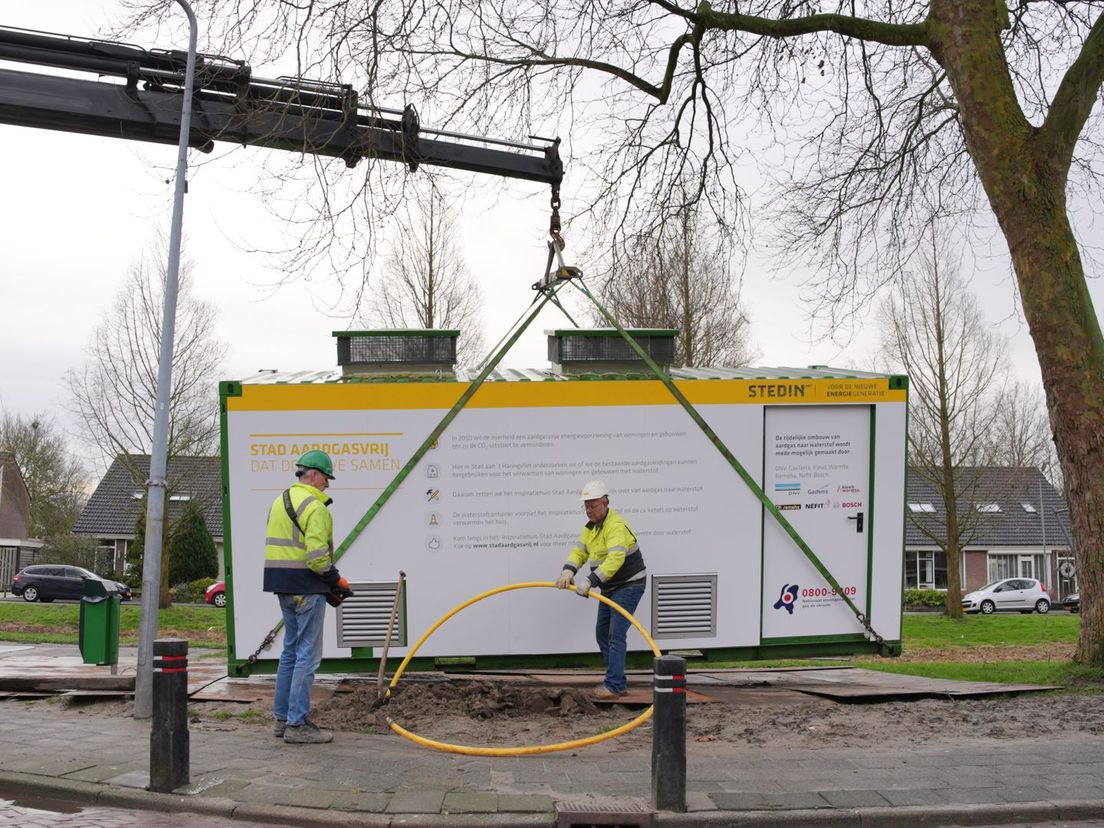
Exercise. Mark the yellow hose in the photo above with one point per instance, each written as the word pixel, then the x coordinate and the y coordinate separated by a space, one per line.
pixel 515 751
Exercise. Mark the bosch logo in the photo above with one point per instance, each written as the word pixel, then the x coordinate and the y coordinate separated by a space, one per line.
pixel 852 504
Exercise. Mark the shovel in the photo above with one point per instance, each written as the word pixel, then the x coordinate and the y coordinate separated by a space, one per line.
pixel 381 693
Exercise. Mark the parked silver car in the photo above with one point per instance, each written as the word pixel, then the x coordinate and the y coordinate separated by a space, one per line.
pixel 1021 594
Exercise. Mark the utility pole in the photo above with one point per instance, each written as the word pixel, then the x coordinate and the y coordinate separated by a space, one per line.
pixel 156 485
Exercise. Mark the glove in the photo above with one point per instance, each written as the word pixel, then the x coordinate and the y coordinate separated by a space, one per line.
pixel 334 599
pixel 583 588
pixel 338 593
pixel 564 581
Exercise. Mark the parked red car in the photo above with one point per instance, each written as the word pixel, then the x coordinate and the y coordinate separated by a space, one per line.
pixel 216 594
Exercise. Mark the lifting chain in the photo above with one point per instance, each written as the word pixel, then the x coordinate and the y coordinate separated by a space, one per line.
pixel 554 223
pixel 264 645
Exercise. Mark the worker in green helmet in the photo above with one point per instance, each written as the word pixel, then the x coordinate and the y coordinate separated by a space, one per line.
pixel 299 568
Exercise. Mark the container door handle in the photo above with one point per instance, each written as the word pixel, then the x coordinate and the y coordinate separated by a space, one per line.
pixel 858 518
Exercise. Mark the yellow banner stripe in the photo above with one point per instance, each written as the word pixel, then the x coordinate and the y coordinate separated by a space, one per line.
pixel 553 394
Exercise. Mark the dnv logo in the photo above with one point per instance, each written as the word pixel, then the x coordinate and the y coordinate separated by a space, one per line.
pixel 787 598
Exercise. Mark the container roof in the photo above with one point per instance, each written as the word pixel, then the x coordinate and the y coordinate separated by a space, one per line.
pixel 334 375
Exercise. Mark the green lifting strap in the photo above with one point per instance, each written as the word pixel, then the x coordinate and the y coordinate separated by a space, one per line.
pixel 731 458
pixel 546 294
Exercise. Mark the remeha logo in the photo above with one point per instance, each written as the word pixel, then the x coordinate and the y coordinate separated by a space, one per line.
pixel 787 597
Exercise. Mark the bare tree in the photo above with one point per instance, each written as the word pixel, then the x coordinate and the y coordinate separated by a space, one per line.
pixel 682 279
pixel 1020 434
pixel 425 283
pixel 55 479
pixel 886 112
pixel 114 393
pixel 934 331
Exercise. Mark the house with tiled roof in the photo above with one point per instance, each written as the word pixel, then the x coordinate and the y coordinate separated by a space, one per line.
pixel 1013 523
pixel 112 512
pixel 16 549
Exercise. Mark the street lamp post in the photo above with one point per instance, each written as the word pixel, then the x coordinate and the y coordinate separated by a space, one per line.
pixel 156 485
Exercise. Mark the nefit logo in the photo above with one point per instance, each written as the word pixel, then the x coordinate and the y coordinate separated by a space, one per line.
pixel 787 598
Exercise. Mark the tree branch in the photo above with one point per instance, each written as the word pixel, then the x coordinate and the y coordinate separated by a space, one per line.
pixel 1075 98
pixel 871 31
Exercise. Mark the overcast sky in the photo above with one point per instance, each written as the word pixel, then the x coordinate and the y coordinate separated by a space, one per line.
pixel 77 212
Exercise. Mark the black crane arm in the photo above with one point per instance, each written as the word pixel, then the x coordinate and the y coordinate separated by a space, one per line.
pixel 139 97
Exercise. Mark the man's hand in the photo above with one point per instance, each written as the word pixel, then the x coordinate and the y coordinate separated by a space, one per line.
pixel 583 588
pixel 564 581
pixel 339 592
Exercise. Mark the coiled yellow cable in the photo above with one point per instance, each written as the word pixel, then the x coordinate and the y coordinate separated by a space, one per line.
pixel 515 751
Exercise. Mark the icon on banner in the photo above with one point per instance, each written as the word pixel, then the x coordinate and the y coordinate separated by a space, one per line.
pixel 787 598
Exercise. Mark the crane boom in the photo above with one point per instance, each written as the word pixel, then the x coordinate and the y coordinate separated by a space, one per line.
pixel 139 93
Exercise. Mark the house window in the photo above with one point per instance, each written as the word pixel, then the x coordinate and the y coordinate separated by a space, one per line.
pixel 1002 566
pixel 922 507
pixel 1027 507
pixel 988 507
pixel 1025 565
pixel 926 570
pixel 179 497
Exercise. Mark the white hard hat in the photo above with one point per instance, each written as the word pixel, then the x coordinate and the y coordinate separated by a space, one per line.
pixel 594 489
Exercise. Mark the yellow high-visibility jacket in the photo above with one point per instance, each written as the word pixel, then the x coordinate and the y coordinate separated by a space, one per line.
pixel 300 564
pixel 612 551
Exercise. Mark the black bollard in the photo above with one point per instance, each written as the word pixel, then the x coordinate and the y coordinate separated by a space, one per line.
pixel 169 759
pixel 669 735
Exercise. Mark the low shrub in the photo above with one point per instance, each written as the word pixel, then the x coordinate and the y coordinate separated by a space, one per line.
pixel 191 592
pixel 925 598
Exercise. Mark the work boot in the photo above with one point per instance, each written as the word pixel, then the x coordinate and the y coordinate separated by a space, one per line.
pixel 603 693
pixel 278 728
pixel 308 733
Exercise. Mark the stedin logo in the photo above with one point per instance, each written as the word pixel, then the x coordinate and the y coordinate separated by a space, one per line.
pixel 787 598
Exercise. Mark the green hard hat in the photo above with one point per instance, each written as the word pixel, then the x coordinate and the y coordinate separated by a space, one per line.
pixel 316 459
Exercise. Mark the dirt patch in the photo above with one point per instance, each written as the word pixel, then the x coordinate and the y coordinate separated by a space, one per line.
pixel 506 714
pixel 982 653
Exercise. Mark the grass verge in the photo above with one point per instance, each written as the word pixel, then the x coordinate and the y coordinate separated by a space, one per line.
pixel 57 623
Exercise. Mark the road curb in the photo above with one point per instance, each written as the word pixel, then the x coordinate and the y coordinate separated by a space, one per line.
pixel 935 816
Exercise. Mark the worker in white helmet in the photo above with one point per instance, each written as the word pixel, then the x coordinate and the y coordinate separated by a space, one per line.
pixel 617 569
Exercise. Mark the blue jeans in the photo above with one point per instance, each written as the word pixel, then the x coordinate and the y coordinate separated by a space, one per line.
pixel 613 628
pixel 302 653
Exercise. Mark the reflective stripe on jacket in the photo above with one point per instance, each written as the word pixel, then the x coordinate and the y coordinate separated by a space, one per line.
pixel 300 564
pixel 613 553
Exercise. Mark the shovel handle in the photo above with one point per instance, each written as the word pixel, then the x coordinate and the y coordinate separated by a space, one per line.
pixel 387 639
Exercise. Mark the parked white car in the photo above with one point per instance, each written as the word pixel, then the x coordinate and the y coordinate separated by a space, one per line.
pixel 1021 594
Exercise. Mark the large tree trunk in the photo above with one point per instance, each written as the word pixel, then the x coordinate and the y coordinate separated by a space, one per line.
pixel 1025 181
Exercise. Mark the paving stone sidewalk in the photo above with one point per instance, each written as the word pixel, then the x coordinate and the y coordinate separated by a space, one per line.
pixel 242 771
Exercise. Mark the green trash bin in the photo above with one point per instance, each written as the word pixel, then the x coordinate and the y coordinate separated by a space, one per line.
pixel 98 636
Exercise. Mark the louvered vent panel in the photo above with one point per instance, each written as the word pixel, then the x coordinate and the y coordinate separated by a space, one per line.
pixel 362 620
pixel 684 606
